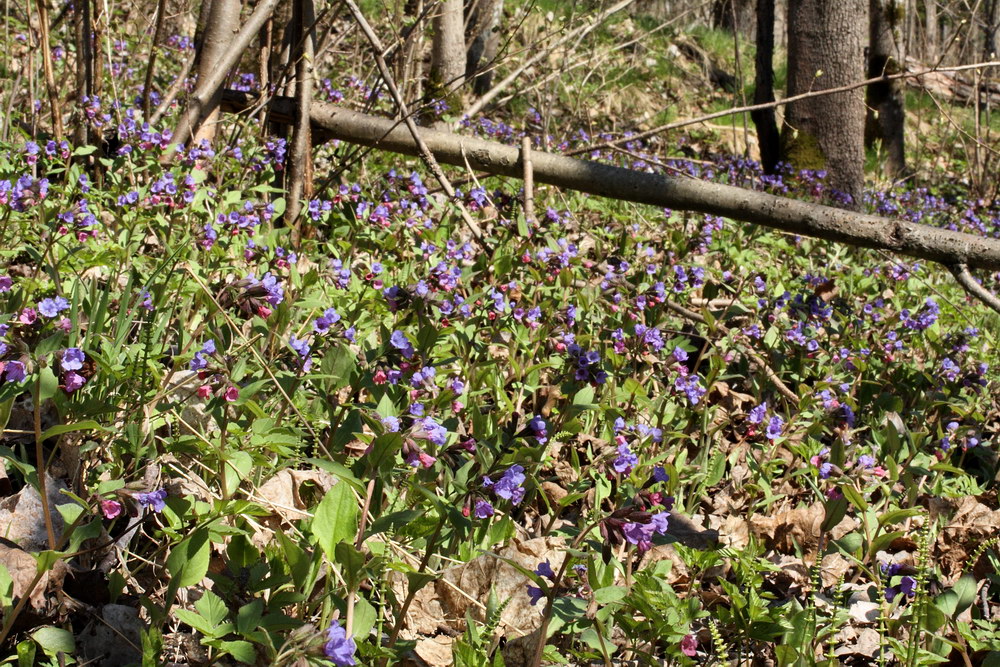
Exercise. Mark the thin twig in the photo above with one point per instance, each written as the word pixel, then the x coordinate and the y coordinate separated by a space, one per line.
pixel 969 284
pixel 425 152
pixel 771 105
pixel 50 80
pixel 757 359
pixel 161 10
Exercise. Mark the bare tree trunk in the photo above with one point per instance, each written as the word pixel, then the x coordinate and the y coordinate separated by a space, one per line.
pixel 826 50
pixel 733 16
pixel 223 23
pixel 483 37
pixel 767 127
pixel 991 47
pixel 886 118
pixel 448 54
pixel 84 66
pixel 932 31
pixel 300 153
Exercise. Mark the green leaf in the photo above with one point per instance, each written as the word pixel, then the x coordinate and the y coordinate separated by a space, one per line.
pixel 959 597
pixel 54 640
pixel 364 618
pixel 895 516
pixel 249 615
pixel 335 519
pixel 212 608
pixel 241 650
pixel 86 425
pixel 610 594
pixel 854 497
pixel 188 561
pixel 836 509
pixel 351 561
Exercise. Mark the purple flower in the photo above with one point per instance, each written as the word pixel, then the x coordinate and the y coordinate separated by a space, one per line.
pixel 399 341
pixel 679 354
pixel 326 320
pixel 200 360
pixel 625 460
pixel 509 484
pixel 5 283
pixel 544 569
pixel 73 381
pixel 757 415
pixel 535 594
pixel 433 431
pixel 300 345
pixel 774 427
pixel 539 429
pixel 391 424
pixel 52 307
pixel 483 509
pixel 72 359
pixel 660 474
pixel 15 371
pixel 339 647
pixel 156 500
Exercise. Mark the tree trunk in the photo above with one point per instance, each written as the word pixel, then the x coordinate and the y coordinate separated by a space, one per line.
pixel 300 170
pixel 733 16
pixel 223 24
pixel 932 31
pixel 447 54
pixel 767 127
pixel 991 47
pixel 886 99
pixel 826 50
pixel 483 40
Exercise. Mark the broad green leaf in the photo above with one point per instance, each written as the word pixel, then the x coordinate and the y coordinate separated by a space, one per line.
pixel 335 519
pixel 188 560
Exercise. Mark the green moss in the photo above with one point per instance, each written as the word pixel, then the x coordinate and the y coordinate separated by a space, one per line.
pixel 802 150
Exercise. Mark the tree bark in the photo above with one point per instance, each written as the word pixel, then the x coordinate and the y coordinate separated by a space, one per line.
pixel 791 215
pixel 733 16
pixel 447 54
pixel 223 23
pixel 300 151
pixel 768 138
pixel 932 31
pixel 826 50
pixel 991 46
pixel 483 41
pixel 886 119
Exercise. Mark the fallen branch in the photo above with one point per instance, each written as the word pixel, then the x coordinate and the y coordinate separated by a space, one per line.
pixel 969 284
pixel 789 215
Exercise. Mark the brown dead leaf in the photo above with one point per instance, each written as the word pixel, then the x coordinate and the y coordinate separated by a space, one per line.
pixel 466 587
pixel 285 495
pixel 435 651
pixel 970 523
pixel 798 529
pixel 22 568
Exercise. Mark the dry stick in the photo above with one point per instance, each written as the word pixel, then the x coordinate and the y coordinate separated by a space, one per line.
pixel 300 153
pixel 174 90
pixel 358 541
pixel 423 151
pixel 580 31
pixel 969 284
pixel 50 79
pixel 205 90
pixel 771 105
pixel 161 10
pixel 661 190
pixel 529 181
pixel 40 462
pixel 757 359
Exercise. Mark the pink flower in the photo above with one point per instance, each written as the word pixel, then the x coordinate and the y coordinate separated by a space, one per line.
pixel 204 391
pixel 73 381
pixel 231 394
pixel 380 377
pixel 263 311
pixel 64 324
pixel 111 508
pixel 426 460
pixel 28 316
pixel 689 645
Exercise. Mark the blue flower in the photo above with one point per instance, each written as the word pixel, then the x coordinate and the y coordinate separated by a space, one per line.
pixel 52 307
pixel 774 427
pixel 399 341
pixel 72 359
pixel 509 484
pixel 155 500
pixel 339 647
